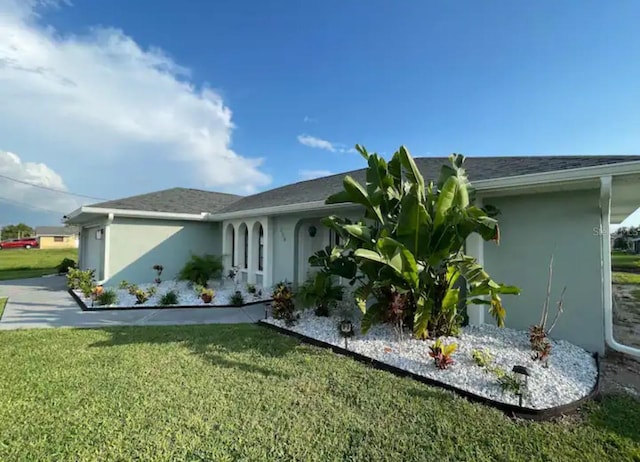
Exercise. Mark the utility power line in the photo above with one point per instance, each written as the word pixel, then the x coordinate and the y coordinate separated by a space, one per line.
pixel 31 206
pixel 51 189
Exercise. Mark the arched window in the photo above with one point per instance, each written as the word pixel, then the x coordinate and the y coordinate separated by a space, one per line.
pixel 260 249
pixel 246 248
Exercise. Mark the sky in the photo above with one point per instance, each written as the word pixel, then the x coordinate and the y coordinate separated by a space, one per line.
pixel 110 99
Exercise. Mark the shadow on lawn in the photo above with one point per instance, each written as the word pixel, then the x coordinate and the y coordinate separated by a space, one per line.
pixel 215 343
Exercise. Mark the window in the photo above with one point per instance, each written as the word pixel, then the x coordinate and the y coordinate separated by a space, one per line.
pixel 246 248
pixel 260 249
pixel 58 238
pixel 233 247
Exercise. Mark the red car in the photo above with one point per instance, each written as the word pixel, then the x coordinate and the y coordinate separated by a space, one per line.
pixel 24 243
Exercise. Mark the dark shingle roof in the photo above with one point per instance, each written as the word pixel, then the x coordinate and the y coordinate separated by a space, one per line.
pixel 175 200
pixel 478 168
pixel 56 230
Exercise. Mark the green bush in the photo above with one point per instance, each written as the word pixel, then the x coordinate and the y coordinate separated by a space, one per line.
pixel 84 281
pixel 65 265
pixel 320 292
pixel 170 298
pixel 237 299
pixel 107 297
pixel 201 268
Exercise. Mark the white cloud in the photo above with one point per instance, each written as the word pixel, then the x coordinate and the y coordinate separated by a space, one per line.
pixel 29 197
pixel 313 142
pixel 311 174
pixel 319 143
pixel 102 97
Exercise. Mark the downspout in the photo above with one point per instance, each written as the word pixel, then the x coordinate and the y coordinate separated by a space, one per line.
pixel 107 248
pixel 605 219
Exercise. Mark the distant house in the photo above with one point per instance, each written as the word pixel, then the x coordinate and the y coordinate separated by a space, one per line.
pixel 635 245
pixel 57 237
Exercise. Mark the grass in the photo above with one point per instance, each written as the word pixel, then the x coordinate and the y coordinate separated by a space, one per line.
pixel 23 263
pixel 3 303
pixel 625 260
pixel 225 393
pixel 625 278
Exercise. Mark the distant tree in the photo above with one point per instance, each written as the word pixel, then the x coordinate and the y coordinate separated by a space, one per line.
pixel 16 231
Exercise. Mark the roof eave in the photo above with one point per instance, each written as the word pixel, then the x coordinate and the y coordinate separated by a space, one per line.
pixel 76 215
pixel 533 181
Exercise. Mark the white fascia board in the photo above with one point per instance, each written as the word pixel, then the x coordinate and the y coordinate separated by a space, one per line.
pixel 558 176
pixel 140 214
pixel 278 210
pixel 491 185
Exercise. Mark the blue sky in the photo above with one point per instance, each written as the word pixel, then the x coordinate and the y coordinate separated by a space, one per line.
pixel 280 91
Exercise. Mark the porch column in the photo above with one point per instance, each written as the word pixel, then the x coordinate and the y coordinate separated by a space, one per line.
pixel 252 255
pixel 267 270
pixel 475 248
pixel 237 242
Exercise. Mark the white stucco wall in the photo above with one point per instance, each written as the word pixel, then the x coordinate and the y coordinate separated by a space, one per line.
pixel 135 245
pixel 532 228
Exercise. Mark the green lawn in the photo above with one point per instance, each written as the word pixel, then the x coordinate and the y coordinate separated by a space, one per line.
pixel 625 260
pixel 625 278
pixel 3 303
pixel 23 263
pixel 227 393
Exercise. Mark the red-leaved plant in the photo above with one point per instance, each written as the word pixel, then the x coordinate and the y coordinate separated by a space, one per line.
pixel 441 354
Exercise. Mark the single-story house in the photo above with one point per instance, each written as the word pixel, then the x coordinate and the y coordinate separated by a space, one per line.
pixel 561 205
pixel 57 237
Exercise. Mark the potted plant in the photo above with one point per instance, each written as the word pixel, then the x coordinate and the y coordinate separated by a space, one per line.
pixel 207 295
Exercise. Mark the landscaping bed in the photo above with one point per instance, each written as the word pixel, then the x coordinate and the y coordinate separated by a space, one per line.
pixel 187 296
pixel 571 375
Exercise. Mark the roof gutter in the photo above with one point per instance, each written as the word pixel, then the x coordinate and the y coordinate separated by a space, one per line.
pixel 136 214
pixel 491 185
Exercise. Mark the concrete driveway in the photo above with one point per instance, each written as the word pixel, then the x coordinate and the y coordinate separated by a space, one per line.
pixel 44 302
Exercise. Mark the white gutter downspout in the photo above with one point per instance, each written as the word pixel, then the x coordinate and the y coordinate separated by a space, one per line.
pixel 605 217
pixel 107 248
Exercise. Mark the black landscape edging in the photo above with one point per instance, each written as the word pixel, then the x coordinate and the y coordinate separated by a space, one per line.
pixel 84 307
pixel 510 409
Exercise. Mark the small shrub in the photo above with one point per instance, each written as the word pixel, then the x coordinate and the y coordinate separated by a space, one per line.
pixel 441 354
pixel 539 333
pixel 283 306
pixel 65 265
pixel 84 281
pixel 141 296
pixel 152 291
pixel 169 298
pixel 320 291
pixel 200 269
pixel 76 277
pixel 237 299
pixel 158 269
pixel 251 288
pixel 482 358
pixel 132 289
pixel 508 381
pixel 124 285
pixel 107 297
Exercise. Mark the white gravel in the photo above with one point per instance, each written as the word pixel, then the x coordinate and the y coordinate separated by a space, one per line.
pixel 186 294
pixel 571 374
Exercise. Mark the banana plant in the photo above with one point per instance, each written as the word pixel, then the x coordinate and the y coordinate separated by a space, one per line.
pixel 411 241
